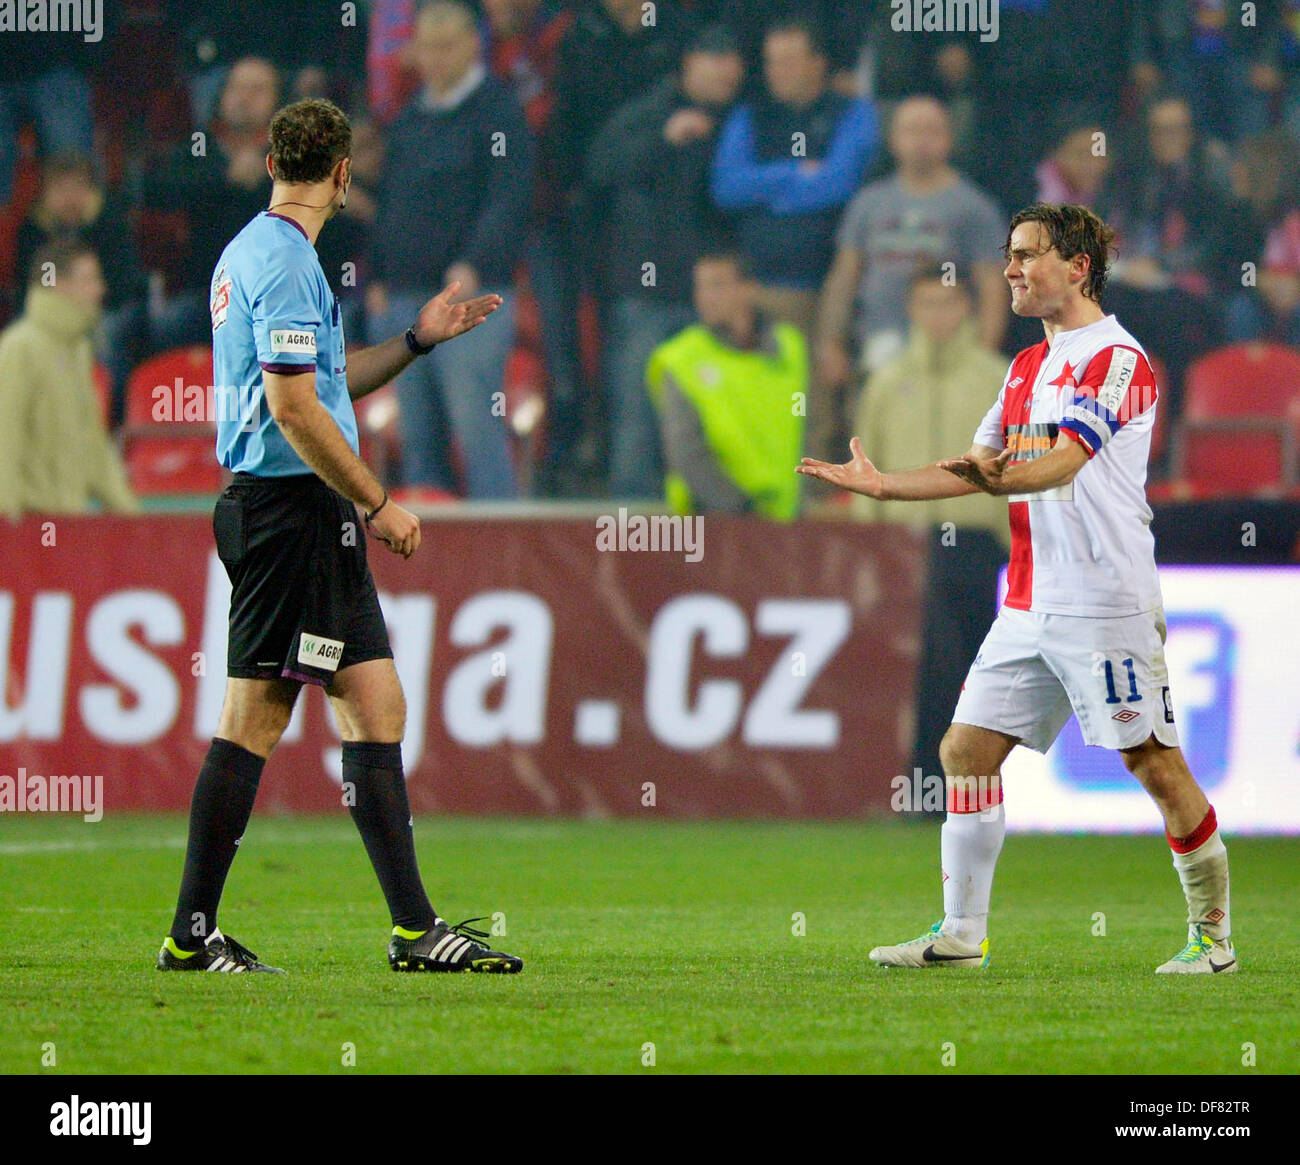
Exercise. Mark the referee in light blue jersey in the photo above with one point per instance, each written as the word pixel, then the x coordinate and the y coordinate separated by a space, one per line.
pixel 303 606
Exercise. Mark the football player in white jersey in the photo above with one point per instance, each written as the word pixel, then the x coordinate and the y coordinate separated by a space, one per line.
pixel 1082 628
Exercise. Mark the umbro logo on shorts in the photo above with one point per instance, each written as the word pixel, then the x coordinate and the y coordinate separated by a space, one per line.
pixel 1124 715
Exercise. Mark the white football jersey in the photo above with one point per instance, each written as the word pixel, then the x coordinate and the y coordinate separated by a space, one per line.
pixel 1084 548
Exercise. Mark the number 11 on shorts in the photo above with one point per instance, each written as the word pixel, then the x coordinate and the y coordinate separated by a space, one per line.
pixel 1111 697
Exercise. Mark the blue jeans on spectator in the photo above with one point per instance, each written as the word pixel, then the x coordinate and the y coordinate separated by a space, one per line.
pixel 123 341
pixel 547 256
pixel 180 320
pixel 634 328
pixel 59 103
pixel 462 375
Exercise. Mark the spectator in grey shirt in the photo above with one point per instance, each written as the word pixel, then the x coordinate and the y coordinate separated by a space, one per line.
pixel 925 212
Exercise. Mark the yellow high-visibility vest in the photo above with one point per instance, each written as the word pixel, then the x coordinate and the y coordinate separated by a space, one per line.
pixel 751 407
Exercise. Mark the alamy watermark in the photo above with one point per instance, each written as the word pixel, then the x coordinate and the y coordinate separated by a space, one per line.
pixel 671 532
pixel 34 793
pixel 946 16
pixel 102 1118
pixel 932 793
pixel 83 16
pixel 178 402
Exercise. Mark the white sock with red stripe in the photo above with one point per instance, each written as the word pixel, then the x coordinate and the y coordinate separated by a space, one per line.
pixel 969 844
pixel 1201 860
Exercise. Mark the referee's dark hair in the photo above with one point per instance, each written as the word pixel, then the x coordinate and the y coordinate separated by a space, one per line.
pixel 57 255
pixel 1072 230
pixel 308 139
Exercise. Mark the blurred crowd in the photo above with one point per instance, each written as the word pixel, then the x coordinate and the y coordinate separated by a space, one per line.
pixel 725 230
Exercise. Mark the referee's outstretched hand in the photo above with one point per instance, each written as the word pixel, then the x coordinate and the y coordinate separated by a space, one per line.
pixel 397 528
pixel 440 319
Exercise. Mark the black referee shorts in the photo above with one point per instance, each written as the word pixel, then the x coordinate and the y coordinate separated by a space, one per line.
pixel 303 603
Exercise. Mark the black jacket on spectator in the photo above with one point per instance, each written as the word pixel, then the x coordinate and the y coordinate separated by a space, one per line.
pixel 1142 197
pixel 345 239
pixel 33 54
pixel 290 36
pixel 599 68
pixel 903 63
pixel 214 210
pixel 658 208
pixel 1033 75
pixel 112 240
pixel 446 197
pixel 842 23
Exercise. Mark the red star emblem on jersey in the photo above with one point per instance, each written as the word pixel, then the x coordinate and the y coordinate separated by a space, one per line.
pixel 1066 379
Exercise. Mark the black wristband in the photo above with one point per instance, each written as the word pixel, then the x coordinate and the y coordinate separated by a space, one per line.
pixel 414 345
pixel 370 516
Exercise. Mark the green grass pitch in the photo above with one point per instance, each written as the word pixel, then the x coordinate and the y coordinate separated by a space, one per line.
pixel 679 936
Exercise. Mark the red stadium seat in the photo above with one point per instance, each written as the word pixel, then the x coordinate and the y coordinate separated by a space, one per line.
pixel 104 393
pixel 524 383
pixel 172 462
pixel 378 432
pixel 1243 380
pixel 1243 455
pixel 528 320
pixel 1160 434
pixel 525 389
pixel 1241 421
pixel 192 367
pixel 26 185
pixel 167 441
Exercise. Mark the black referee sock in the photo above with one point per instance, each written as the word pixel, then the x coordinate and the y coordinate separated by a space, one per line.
pixel 219 813
pixel 382 813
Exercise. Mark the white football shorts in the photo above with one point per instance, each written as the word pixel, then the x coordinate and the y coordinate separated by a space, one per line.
pixel 1033 670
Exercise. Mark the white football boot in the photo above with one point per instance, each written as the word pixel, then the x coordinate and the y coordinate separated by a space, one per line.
pixel 1201 956
pixel 933 949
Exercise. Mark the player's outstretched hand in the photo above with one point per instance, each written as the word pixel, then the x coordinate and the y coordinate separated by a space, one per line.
pixel 857 475
pixel 440 319
pixel 399 529
pixel 984 474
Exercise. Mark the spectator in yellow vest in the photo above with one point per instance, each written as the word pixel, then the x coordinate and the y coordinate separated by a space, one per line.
pixel 730 393
pixel 55 453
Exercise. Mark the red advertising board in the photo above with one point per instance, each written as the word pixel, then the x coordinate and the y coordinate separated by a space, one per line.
pixel 547 670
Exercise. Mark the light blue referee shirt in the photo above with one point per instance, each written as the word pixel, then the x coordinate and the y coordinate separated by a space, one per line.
pixel 272 311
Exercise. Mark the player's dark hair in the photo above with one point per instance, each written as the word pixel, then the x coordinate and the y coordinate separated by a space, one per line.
pixel 58 254
pixel 308 139
pixel 1072 230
